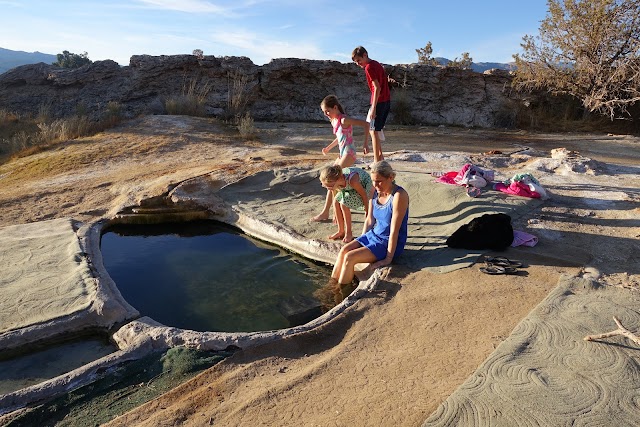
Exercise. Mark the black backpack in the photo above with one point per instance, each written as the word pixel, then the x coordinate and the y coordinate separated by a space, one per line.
pixel 490 231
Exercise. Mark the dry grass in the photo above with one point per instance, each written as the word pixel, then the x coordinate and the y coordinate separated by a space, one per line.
pixel 237 95
pixel 246 126
pixel 191 101
pixel 23 136
pixel 94 151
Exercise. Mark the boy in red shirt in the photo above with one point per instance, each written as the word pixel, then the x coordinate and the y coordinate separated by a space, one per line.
pixel 380 97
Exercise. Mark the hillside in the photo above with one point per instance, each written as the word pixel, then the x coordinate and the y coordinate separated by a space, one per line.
pixel 13 58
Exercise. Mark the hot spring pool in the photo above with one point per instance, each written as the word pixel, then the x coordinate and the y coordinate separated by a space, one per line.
pixel 207 276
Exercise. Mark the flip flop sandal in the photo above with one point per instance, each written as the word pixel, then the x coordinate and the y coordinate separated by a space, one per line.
pixel 493 269
pixel 496 269
pixel 502 261
pixel 510 270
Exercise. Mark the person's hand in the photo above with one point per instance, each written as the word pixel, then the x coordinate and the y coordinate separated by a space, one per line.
pixel 366 149
pixel 325 151
pixel 382 263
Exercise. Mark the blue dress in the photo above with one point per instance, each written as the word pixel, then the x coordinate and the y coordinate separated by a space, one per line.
pixel 377 238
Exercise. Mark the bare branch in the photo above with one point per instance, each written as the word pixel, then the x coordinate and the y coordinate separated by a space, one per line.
pixel 620 331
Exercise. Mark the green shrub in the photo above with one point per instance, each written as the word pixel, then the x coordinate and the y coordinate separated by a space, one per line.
pixel 67 59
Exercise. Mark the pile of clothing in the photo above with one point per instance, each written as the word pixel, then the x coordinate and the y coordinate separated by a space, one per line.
pixel 475 178
pixel 470 176
pixel 522 184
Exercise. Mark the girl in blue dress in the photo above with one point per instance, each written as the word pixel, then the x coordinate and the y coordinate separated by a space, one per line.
pixel 384 233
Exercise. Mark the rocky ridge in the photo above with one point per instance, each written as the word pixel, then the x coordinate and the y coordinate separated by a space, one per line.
pixel 286 89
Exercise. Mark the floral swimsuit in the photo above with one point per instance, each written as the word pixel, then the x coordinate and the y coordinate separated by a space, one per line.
pixel 348 196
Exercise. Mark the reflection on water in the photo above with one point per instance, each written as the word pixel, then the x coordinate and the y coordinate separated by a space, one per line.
pixel 206 276
pixel 33 368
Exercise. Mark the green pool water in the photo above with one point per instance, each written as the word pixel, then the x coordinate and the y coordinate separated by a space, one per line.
pixel 207 276
pixel 36 366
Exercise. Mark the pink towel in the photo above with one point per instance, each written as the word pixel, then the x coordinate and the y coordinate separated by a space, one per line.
pixel 524 239
pixel 517 188
pixel 447 178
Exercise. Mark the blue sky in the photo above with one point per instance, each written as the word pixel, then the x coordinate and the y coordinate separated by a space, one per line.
pixel 490 31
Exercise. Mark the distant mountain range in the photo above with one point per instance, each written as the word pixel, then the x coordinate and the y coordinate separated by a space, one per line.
pixel 13 58
pixel 482 66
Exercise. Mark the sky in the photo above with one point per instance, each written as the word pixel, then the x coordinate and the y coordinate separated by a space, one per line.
pixel 262 30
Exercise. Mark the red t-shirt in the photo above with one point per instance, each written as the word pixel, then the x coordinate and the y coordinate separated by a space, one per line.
pixel 374 71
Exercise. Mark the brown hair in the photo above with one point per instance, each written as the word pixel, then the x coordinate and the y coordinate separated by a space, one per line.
pixel 331 101
pixel 359 51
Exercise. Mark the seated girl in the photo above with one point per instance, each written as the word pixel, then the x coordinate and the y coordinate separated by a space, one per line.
pixel 384 233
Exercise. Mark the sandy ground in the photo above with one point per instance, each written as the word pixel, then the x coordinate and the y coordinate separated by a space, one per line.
pixel 398 353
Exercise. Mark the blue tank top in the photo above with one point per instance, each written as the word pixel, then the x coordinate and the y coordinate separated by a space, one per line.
pixel 383 214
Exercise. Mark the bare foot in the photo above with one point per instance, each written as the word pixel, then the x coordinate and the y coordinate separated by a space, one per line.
pixel 348 238
pixel 337 236
pixel 320 218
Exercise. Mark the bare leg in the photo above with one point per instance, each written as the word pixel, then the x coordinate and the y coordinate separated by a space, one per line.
pixel 376 144
pixel 349 261
pixel 348 234
pixel 340 219
pixel 324 215
pixel 337 268
pixel 345 162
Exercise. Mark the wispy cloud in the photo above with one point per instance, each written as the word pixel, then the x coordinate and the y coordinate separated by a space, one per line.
pixel 188 6
pixel 261 48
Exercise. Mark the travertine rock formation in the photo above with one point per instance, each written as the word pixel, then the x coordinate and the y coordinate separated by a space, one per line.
pixel 286 89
